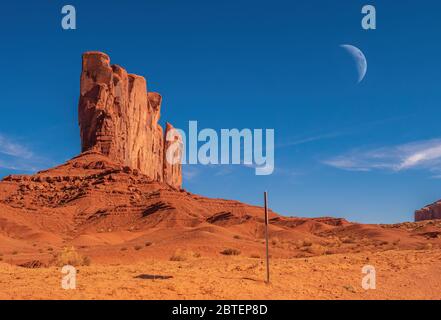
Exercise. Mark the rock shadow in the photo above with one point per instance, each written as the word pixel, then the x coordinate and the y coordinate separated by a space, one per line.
pixel 152 277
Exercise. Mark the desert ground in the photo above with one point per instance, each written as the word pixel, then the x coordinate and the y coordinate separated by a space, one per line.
pixel 133 238
pixel 408 274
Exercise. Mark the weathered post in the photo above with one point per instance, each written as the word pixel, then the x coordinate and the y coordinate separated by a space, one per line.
pixel 266 237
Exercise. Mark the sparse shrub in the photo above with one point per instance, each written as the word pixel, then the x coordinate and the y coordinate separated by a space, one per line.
pixel 179 255
pixel 275 241
pixel 50 249
pixel 15 252
pixel 350 288
pixel 316 249
pixel 33 264
pixel 255 256
pixel 69 256
pixel 137 248
pixel 148 244
pixel 347 240
pixel 177 258
pixel 184 255
pixel 236 237
pixel 123 249
pixel 337 243
pixel 307 243
pixel 87 261
pixel 230 252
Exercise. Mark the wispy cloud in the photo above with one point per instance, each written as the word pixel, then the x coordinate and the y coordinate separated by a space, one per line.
pixel 11 148
pixel 416 155
pixel 190 172
pixel 304 140
pixel 340 132
pixel 18 157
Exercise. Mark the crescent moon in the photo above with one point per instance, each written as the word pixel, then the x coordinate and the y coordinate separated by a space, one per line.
pixel 360 60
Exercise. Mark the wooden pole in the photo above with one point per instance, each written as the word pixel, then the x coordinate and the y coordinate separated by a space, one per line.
pixel 266 237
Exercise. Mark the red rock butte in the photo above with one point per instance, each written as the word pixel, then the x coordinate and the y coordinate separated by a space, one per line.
pixel 118 118
pixel 430 212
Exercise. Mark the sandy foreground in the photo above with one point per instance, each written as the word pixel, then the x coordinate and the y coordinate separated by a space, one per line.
pixel 399 275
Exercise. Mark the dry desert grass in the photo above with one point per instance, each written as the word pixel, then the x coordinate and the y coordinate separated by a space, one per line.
pixel 407 274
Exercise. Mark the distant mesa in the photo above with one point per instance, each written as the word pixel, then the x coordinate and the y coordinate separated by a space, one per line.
pixel 118 117
pixel 430 212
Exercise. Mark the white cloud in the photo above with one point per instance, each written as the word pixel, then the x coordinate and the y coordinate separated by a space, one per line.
pixel 16 156
pixel 427 153
pixel 416 155
pixel 11 148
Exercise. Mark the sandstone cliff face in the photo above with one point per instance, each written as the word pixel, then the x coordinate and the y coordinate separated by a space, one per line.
pixel 430 212
pixel 172 156
pixel 119 118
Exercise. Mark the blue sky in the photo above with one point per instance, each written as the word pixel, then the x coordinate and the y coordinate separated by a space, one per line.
pixel 369 152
